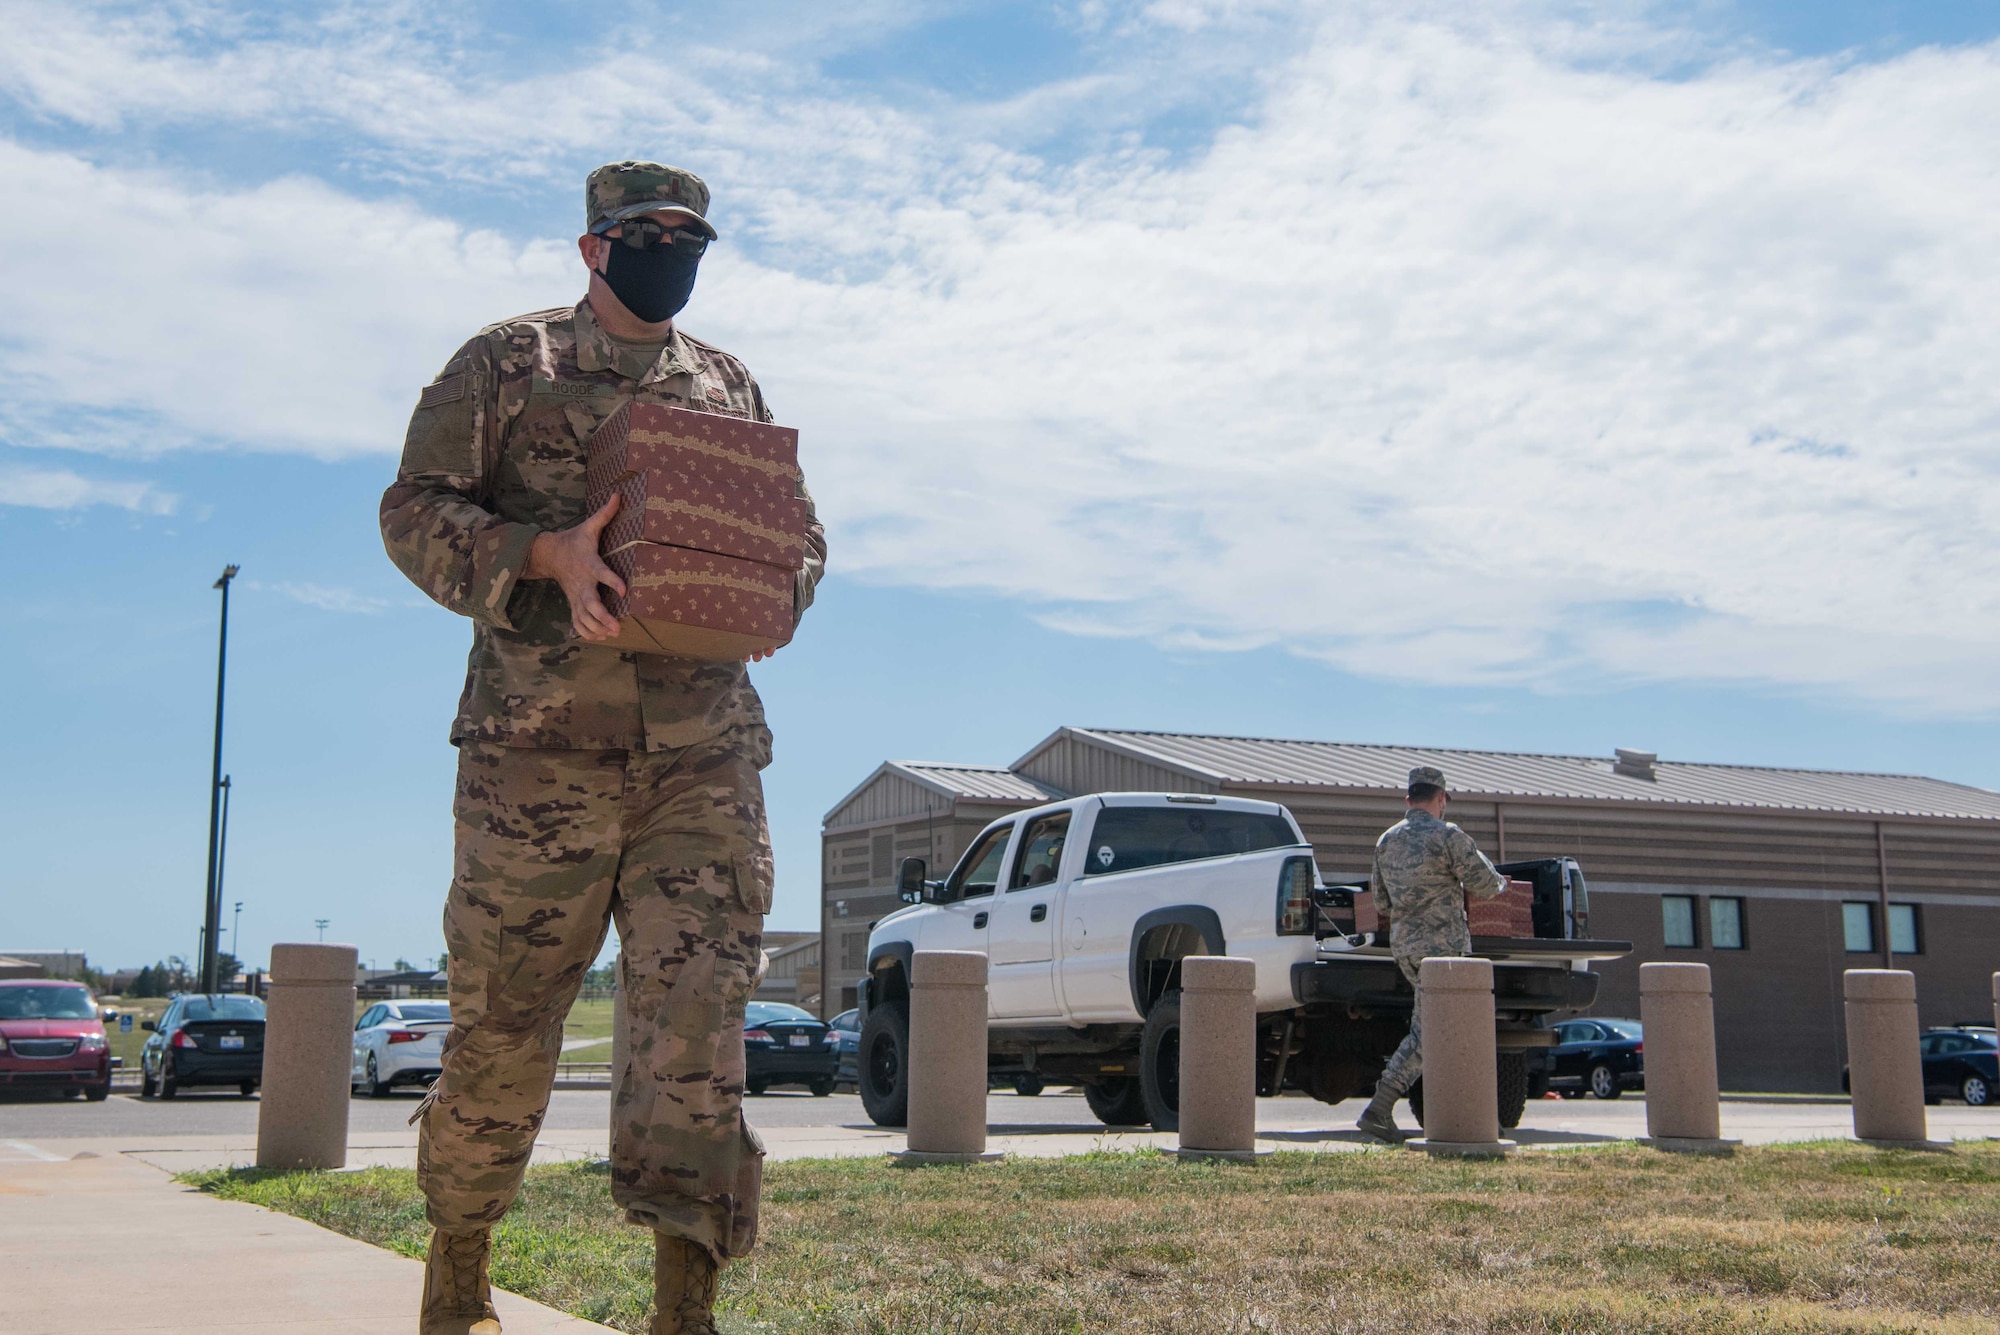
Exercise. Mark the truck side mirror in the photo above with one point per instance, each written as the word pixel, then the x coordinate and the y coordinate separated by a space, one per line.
pixel 910 880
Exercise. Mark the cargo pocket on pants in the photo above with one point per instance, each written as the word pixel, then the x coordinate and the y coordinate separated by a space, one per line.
pixel 753 880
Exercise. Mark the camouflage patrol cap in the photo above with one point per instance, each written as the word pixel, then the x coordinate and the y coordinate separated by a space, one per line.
pixel 1429 774
pixel 620 190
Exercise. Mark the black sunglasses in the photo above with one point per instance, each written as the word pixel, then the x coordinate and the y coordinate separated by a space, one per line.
pixel 641 234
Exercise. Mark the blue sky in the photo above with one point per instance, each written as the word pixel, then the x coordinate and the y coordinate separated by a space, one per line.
pixel 1526 376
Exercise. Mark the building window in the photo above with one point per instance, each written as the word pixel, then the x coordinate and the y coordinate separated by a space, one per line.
pixel 1725 922
pixel 880 855
pixel 1857 925
pixel 1903 936
pixel 853 949
pixel 1677 919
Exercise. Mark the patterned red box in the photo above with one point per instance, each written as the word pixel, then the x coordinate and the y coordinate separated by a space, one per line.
pixel 753 524
pixel 732 451
pixel 698 604
pixel 1509 913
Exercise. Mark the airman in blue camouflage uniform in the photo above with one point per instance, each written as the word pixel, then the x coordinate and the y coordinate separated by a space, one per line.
pixel 594 784
pixel 1424 868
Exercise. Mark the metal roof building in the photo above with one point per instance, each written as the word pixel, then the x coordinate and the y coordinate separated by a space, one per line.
pixel 1776 878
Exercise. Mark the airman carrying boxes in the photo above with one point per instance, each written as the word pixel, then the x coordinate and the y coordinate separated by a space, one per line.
pixel 710 532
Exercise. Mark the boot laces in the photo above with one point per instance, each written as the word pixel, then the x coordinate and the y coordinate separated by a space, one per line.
pixel 462 1255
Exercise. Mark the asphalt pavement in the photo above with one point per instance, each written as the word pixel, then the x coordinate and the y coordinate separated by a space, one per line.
pixel 797 1123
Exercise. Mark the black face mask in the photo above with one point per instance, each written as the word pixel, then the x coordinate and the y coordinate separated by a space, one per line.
pixel 654 284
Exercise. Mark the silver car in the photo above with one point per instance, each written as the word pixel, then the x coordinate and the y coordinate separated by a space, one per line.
pixel 398 1043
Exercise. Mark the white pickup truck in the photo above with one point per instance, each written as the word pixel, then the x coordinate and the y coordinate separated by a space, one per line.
pixel 1085 908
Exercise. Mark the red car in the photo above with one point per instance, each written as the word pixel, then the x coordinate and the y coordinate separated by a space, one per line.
pixel 51 1038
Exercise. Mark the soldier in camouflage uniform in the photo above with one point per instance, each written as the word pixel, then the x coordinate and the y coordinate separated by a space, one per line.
pixel 1424 868
pixel 594 784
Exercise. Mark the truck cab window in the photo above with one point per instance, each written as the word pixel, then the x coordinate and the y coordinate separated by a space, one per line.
pixel 980 870
pixel 1127 838
pixel 1041 852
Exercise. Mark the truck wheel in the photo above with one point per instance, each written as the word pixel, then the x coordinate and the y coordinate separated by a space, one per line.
pixel 1160 1062
pixel 884 1068
pixel 1512 1070
pixel 1604 1082
pixel 1416 1098
pixel 1116 1102
pixel 1027 1086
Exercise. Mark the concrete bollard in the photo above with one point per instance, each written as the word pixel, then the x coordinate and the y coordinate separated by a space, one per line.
pixel 1884 1070
pixel 1218 1076
pixel 1683 1098
pixel 947 1077
pixel 1461 1095
pixel 308 1057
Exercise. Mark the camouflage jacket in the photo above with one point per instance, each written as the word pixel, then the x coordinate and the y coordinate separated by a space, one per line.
pixel 1424 868
pixel 494 456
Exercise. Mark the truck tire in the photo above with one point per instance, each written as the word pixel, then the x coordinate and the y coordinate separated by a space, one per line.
pixel 1512 1071
pixel 1116 1102
pixel 1511 1076
pixel 883 1064
pixel 1160 1062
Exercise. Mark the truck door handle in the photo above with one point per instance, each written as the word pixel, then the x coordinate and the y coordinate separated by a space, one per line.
pixel 1039 913
pixel 978 921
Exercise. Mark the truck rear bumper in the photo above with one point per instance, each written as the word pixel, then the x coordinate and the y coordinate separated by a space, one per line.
pixel 1378 985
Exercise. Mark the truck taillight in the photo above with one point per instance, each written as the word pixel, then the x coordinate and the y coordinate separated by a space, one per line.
pixel 1295 901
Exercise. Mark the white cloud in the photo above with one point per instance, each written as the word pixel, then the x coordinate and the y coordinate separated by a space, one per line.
pixel 61 489
pixel 323 597
pixel 1473 354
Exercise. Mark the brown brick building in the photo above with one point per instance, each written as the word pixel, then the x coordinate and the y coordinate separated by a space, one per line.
pixel 1777 879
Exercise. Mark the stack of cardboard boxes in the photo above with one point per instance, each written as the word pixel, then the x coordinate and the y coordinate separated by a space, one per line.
pixel 710 532
pixel 1511 913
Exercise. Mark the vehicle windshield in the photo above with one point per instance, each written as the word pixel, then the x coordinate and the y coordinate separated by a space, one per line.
pixel 1625 1028
pixel 420 1014
pixel 55 1002
pixel 763 1012
pixel 198 1009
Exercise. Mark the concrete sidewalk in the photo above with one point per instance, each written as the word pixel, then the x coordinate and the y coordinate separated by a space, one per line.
pixel 107 1242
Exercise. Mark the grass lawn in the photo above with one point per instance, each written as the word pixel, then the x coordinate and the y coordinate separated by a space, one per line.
pixel 590 1020
pixel 128 1045
pixel 1618 1241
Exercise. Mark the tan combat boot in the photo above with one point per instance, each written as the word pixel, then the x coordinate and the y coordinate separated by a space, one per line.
pixel 458 1300
pixel 683 1287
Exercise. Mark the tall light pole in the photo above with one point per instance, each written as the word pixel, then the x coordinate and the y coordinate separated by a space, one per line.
pixel 321 924
pixel 212 900
pixel 236 930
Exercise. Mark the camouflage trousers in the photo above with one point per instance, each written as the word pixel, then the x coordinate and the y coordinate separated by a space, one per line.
pixel 1406 1064
pixel 552 846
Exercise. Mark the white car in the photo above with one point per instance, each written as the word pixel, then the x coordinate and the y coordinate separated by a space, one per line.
pixel 398 1043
